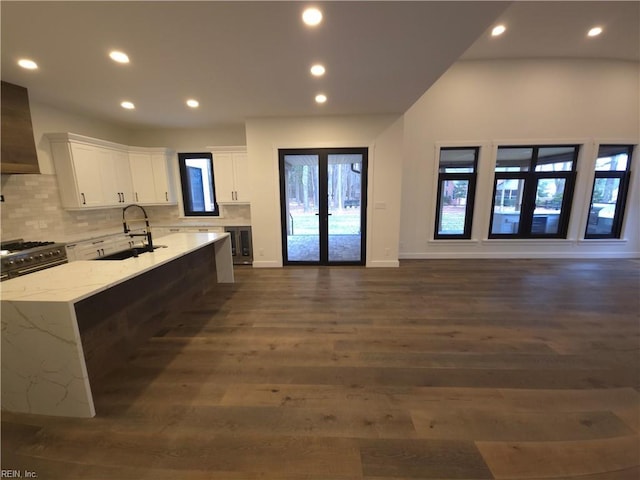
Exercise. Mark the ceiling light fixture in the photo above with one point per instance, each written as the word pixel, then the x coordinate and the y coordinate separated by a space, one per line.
pixel 498 30
pixel 193 103
pixel 127 105
pixel 119 57
pixel 595 31
pixel 312 16
pixel 317 70
pixel 28 64
pixel 321 98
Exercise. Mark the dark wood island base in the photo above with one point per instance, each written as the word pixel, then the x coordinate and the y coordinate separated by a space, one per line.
pixel 114 323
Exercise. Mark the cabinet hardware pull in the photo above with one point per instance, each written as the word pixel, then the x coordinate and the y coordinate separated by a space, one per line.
pixel 137 196
pixel 84 200
pixel 166 196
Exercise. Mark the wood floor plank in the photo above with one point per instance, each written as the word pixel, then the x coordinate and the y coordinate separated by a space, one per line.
pixel 571 400
pixel 515 460
pixel 478 424
pixel 329 421
pixel 272 455
pixel 422 459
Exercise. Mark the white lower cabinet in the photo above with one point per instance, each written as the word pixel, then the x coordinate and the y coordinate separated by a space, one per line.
pixel 166 230
pixel 99 247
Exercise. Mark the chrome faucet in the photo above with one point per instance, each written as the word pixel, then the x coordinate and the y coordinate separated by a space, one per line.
pixel 146 221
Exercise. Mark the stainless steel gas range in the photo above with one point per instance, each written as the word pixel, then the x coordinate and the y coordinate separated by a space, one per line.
pixel 19 258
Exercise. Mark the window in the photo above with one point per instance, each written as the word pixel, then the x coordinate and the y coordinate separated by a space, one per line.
pixel 609 193
pixel 196 178
pixel 456 192
pixel 532 191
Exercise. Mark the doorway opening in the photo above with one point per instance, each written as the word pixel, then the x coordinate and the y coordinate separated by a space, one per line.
pixel 323 199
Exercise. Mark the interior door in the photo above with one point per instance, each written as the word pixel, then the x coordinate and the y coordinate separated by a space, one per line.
pixel 323 206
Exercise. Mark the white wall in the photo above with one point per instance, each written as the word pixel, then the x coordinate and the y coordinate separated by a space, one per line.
pixel 47 119
pixel 487 103
pixel 382 134
pixel 189 140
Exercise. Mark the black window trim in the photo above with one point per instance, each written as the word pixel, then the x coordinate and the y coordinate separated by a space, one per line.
pixel 471 177
pixel 621 201
pixel 185 188
pixel 531 178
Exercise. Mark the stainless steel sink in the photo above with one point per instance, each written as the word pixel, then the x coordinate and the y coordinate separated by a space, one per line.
pixel 130 253
pixel 123 255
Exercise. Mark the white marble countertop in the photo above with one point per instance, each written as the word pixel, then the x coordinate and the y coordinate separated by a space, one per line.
pixel 74 281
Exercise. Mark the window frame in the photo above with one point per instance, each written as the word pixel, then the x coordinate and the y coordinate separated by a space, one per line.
pixel 184 185
pixel 531 178
pixel 623 190
pixel 471 177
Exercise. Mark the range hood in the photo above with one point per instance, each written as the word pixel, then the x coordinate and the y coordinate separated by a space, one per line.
pixel 18 148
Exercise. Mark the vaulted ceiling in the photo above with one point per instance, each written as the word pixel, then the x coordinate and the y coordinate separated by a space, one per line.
pixel 252 59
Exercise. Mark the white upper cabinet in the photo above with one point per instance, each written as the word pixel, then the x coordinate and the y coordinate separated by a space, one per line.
pixel 162 177
pixel 95 173
pixel 152 181
pixel 144 190
pixel 120 162
pixel 231 173
pixel 90 175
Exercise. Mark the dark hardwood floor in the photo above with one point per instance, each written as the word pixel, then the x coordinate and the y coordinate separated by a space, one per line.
pixel 447 369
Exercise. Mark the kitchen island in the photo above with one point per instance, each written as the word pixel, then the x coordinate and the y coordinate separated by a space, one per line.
pixel 65 327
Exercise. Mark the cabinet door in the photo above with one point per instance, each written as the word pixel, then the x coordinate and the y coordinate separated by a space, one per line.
pixel 88 175
pixel 142 176
pixel 109 177
pixel 123 176
pixel 241 177
pixel 161 179
pixel 223 175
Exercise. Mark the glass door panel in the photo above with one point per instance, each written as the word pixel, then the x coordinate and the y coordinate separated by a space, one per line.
pixel 344 195
pixel 301 182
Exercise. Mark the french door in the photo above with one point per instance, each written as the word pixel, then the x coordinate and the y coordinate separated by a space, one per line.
pixel 323 198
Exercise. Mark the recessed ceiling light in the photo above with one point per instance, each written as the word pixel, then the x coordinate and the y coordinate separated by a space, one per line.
pixel 317 70
pixel 119 57
pixel 595 31
pixel 127 105
pixel 321 98
pixel 28 64
pixel 498 30
pixel 193 103
pixel 312 16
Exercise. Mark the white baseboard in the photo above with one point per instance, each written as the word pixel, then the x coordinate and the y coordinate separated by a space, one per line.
pixel 266 264
pixel 383 264
pixel 494 255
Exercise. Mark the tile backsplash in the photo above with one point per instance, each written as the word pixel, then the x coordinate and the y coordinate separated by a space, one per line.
pixel 32 210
